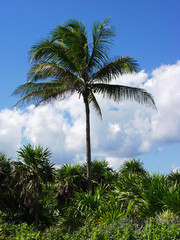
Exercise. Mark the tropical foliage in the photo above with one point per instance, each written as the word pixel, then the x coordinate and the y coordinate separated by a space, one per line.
pixel 39 201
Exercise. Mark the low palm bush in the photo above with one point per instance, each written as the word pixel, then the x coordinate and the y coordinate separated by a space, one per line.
pixel 130 204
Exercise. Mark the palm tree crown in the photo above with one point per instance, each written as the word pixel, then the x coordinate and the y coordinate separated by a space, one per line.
pixel 70 64
pixel 34 170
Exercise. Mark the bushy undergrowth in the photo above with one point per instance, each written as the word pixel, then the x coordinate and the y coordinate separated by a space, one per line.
pixel 158 228
pixel 38 201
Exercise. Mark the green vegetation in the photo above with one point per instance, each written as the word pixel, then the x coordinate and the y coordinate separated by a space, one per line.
pixel 70 64
pixel 39 201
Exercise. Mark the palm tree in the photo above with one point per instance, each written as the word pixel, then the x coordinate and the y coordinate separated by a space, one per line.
pixel 71 65
pixel 132 166
pixel 174 177
pixel 32 171
pixel 101 172
pixel 69 180
pixel 5 170
pixel 5 181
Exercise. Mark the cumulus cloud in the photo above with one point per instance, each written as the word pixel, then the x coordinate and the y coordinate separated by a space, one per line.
pixel 164 85
pixel 175 168
pixel 115 162
pixel 127 129
pixel 11 124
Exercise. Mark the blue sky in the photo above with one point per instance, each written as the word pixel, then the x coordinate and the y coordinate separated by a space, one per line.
pixel 149 31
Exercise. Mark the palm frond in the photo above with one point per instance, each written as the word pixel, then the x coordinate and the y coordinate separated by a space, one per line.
pixel 38 93
pixel 120 92
pixel 46 70
pixel 115 68
pixel 70 28
pixel 95 104
pixel 102 39
pixel 74 38
pixel 62 94
pixel 54 52
pixel 29 88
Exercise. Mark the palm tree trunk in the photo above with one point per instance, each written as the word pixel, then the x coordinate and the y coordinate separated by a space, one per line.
pixel 88 144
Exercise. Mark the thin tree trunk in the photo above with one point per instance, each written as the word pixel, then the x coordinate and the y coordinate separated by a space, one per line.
pixel 36 214
pixel 36 208
pixel 88 144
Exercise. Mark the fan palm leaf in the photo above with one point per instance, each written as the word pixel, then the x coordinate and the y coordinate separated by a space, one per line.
pixel 32 171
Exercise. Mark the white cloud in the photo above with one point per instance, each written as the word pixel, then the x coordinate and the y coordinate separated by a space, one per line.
pixel 159 149
pixel 11 123
pixel 164 86
pixel 127 129
pixel 115 162
pixel 114 128
pixel 175 168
